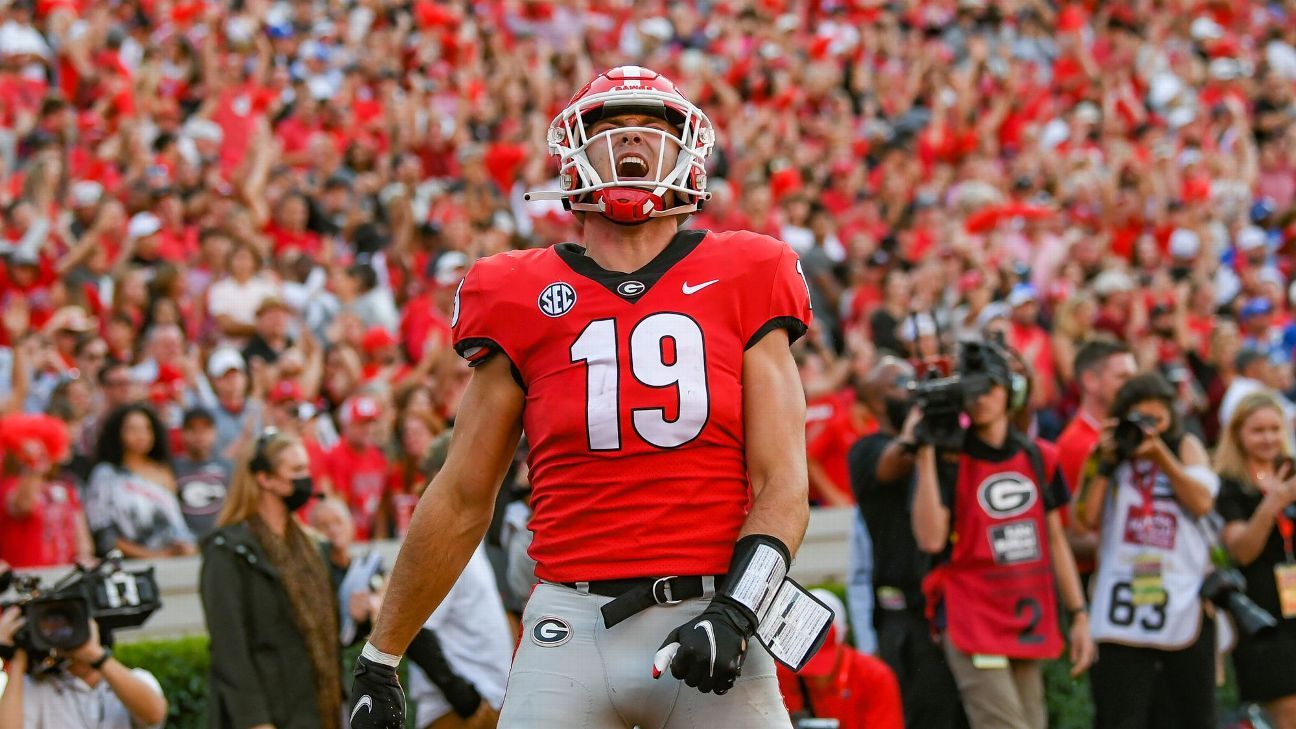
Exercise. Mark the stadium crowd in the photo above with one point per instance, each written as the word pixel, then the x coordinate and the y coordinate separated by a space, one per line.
pixel 220 217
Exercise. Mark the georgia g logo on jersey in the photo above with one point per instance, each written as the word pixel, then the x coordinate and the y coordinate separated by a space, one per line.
pixel 557 299
pixel 1006 495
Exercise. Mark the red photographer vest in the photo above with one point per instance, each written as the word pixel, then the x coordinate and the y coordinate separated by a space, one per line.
pixel 998 585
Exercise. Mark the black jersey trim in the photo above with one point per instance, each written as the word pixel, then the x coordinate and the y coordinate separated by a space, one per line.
pixel 680 246
pixel 794 326
pixel 491 348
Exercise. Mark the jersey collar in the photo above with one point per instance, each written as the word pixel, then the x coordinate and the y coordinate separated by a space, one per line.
pixel 631 286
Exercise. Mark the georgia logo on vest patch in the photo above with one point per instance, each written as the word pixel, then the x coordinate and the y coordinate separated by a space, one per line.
pixel 557 299
pixel 1005 495
pixel 551 632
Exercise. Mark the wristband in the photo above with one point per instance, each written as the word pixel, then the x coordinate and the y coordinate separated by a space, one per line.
pixel 379 657
pixel 98 664
pixel 756 572
pixel 1072 612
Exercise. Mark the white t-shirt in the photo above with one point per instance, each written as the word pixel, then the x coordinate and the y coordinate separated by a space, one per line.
pixel 67 701
pixel 475 636
pixel 240 301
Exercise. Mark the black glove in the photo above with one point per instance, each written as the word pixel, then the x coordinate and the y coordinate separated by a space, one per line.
pixel 707 652
pixel 425 651
pixel 379 700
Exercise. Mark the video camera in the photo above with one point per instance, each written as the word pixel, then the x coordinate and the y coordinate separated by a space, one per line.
pixel 58 617
pixel 942 395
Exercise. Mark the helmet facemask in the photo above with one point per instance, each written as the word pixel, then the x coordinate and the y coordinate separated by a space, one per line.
pixel 637 200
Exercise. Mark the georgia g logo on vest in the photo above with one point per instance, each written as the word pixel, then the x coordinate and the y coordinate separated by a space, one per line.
pixel 1005 495
pixel 551 632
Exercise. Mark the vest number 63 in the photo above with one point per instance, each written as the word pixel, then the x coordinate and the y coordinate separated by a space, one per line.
pixel 1122 609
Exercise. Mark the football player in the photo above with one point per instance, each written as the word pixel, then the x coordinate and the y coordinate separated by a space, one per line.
pixel 650 369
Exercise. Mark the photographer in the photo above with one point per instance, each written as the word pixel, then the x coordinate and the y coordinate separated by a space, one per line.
pixel 1145 487
pixel 1256 500
pixel 92 690
pixel 987 503
pixel 881 473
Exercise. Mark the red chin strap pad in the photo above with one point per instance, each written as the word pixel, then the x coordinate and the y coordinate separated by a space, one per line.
pixel 628 206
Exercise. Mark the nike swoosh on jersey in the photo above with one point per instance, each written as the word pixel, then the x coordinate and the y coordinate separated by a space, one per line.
pixel 705 626
pixel 694 289
pixel 364 701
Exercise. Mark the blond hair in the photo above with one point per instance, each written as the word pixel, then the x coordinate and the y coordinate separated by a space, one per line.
pixel 244 496
pixel 1230 460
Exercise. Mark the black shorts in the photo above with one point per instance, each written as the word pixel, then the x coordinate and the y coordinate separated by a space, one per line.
pixel 1257 661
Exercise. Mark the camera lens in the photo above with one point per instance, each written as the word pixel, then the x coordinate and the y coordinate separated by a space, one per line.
pixel 56 626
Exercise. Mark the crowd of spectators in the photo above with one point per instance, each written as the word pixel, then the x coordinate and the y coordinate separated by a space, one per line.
pixel 258 212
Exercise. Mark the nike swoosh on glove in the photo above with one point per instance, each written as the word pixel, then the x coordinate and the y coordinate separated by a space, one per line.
pixel 379 700
pixel 707 652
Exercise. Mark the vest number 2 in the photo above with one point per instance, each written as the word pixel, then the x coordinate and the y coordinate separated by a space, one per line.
pixel 665 350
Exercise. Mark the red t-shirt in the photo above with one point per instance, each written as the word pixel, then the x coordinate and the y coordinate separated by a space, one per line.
pixel 423 324
pixel 634 400
pixel 47 536
pixel 830 432
pixel 864 694
pixel 1073 447
pixel 359 477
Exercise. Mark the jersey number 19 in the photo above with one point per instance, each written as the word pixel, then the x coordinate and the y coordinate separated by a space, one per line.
pixel 666 350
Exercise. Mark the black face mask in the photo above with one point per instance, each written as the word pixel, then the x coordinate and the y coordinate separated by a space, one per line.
pixel 303 490
pixel 897 410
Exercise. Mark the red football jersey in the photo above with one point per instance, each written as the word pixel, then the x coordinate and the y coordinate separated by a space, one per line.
pixel 634 401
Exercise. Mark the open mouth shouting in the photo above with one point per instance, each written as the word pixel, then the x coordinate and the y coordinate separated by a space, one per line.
pixel 631 167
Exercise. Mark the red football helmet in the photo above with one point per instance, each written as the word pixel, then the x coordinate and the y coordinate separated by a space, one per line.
pixel 630 199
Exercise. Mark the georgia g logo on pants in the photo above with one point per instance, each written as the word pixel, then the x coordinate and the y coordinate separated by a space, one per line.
pixel 551 632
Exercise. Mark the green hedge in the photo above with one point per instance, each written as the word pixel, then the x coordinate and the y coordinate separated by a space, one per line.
pixel 181 667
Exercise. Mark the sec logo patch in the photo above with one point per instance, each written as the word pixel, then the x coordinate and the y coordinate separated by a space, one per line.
pixel 1005 495
pixel 551 632
pixel 557 299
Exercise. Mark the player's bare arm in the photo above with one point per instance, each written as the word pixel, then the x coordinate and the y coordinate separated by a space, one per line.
pixel 774 418
pixel 447 526
pixel 455 510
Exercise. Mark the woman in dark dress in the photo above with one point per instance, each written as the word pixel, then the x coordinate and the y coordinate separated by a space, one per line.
pixel 1257 497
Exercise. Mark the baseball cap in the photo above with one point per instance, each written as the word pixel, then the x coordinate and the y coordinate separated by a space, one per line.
pixel 284 391
pixel 1184 243
pixel 271 303
pixel 86 193
pixel 377 338
pixel 1022 293
pixel 1256 307
pixel 71 319
pixel 1251 238
pixel 449 267
pixel 223 360
pixel 142 225
pixel 194 414
pixel 1112 282
pixel 362 408
pixel 824 661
